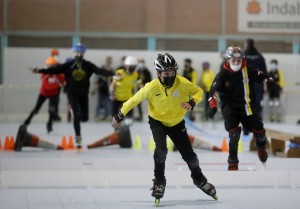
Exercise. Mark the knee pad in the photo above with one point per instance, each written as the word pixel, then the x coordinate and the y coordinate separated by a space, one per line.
pixel 260 136
pixel 193 161
pixel 160 155
pixel 234 136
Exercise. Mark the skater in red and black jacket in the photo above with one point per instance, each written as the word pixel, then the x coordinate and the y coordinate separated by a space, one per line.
pixel 77 73
pixel 49 90
pixel 235 86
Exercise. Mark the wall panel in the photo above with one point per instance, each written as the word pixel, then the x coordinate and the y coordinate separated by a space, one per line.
pixel 112 16
pixel 1 15
pixel 43 15
pixel 193 16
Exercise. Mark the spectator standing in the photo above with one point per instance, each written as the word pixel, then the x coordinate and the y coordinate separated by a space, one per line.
pixel 206 80
pixel 144 76
pixel 256 60
pixel 101 86
pixel 190 74
pixel 275 89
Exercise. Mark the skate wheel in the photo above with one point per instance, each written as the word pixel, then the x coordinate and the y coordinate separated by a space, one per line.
pixel 215 197
pixel 157 201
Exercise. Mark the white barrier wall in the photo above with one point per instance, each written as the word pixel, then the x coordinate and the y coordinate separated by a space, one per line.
pixel 19 92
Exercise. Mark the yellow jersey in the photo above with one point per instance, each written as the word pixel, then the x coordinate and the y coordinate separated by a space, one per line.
pixel 124 85
pixel 164 103
pixel 207 79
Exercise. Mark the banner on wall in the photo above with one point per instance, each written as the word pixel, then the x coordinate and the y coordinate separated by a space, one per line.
pixel 274 16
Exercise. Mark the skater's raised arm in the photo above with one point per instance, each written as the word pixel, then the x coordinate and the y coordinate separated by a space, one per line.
pixel 59 69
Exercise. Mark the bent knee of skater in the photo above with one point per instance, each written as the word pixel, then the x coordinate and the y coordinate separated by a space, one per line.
pixel 234 135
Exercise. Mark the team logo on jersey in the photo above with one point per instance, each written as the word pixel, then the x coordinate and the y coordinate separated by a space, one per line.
pixel 175 93
pixel 51 80
pixel 78 74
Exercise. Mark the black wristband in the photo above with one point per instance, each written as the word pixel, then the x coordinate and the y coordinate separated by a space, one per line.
pixel 119 117
pixel 192 103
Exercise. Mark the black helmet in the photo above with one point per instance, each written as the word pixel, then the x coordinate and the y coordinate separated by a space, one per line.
pixel 234 51
pixel 165 62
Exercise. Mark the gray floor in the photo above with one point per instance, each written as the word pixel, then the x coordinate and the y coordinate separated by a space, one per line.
pixel 111 177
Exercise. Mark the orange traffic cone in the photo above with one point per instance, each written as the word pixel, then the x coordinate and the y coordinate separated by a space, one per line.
pixel 26 139
pixel 11 143
pixel 64 143
pixel 121 137
pixel 6 143
pixel 71 143
pixel 192 139
pixel 224 145
pixel 201 144
pixel 0 144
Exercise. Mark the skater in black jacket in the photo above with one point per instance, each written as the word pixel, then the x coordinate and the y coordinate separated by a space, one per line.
pixel 235 86
pixel 77 74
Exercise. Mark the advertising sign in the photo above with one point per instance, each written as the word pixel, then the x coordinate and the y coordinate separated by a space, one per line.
pixel 274 16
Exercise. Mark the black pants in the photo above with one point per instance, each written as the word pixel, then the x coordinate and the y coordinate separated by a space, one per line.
pixel 252 123
pixel 40 101
pixel 80 108
pixel 56 112
pixel 179 136
pixel 117 105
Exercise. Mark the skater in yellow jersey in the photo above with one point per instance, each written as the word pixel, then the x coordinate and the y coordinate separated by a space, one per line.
pixel 169 98
pixel 123 84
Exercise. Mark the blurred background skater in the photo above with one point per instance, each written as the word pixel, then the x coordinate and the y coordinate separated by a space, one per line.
pixel 275 89
pixel 190 74
pixel 49 90
pixel 55 54
pixel 123 84
pixel 144 76
pixel 77 74
pixel 205 82
pixel 235 86
pixel 101 87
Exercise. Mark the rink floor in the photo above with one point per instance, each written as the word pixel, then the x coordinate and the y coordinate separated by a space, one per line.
pixel 111 177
